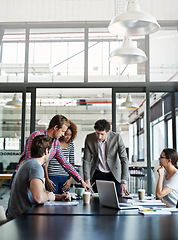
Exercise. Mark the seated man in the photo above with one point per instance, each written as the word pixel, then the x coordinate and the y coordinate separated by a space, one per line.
pixel 28 187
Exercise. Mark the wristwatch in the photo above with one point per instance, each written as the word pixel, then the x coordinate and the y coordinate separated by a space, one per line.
pixel 123 181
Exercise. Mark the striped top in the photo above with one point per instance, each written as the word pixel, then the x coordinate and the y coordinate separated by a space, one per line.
pixel 55 168
pixel 56 151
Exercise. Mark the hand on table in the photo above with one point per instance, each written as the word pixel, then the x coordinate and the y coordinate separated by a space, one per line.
pixel 123 188
pixel 65 197
pixel 87 185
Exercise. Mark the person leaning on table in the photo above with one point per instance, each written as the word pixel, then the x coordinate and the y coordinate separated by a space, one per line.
pixel 105 157
pixel 167 185
pixel 27 187
pixel 60 179
pixel 56 129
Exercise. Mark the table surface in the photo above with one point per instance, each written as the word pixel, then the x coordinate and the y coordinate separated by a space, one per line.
pixel 94 208
pixel 5 176
pixel 45 227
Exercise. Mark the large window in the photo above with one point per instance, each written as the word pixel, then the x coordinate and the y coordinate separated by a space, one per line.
pixel 130 125
pixel 101 44
pixel 163 55
pixel 12 55
pixel 158 139
pixel 56 55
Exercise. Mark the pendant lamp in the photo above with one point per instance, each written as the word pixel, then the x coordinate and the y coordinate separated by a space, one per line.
pixel 123 121
pixel 129 104
pixel 127 54
pixel 44 120
pixel 133 22
pixel 14 103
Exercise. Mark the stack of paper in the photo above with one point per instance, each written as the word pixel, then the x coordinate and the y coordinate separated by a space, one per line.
pixel 147 202
pixel 60 203
pixel 154 211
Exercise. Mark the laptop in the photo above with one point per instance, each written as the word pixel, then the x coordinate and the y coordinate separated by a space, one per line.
pixel 108 196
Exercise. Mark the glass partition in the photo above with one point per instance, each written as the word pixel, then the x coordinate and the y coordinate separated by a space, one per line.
pixel 12 55
pixel 10 129
pixel 130 123
pixel 83 106
pixel 101 44
pixel 56 55
pixel 163 55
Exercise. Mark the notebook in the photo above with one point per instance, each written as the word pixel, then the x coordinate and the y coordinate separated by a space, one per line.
pixel 108 196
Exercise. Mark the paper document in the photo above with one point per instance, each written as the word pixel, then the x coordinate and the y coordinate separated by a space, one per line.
pixel 154 212
pixel 60 203
pixel 149 203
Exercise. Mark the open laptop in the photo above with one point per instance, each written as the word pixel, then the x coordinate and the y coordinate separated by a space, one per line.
pixel 108 196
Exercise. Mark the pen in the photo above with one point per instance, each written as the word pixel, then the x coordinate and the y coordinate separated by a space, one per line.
pixel 91 187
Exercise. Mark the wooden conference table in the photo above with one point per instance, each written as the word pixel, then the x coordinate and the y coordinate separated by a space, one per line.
pixel 4 176
pixel 71 223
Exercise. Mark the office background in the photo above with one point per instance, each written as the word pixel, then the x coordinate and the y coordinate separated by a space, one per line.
pixel 54 58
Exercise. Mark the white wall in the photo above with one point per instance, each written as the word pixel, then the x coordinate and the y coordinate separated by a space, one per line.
pixel 79 10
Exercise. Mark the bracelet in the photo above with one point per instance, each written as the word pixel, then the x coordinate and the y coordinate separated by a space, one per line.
pixel 123 182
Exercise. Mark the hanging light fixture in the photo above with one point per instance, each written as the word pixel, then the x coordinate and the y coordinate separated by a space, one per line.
pixel 120 130
pixel 129 103
pixel 133 22
pixel 127 54
pixel 44 120
pixel 14 103
pixel 122 121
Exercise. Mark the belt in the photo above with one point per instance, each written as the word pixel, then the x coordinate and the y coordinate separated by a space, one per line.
pixel 102 173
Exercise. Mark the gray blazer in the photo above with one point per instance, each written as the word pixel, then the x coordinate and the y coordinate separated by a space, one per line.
pixel 116 156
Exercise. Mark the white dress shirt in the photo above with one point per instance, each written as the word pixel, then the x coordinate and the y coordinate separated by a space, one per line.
pixel 102 165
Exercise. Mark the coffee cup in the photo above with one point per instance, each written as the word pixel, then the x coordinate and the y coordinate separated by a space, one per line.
pixel 79 191
pixel 86 197
pixel 141 194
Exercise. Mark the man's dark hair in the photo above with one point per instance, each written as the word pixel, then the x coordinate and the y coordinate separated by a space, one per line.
pixel 58 120
pixel 39 145
pixel 102 125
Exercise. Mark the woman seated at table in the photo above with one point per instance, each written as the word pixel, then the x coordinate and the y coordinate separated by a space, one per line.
pixel 167 185
pixel 59 180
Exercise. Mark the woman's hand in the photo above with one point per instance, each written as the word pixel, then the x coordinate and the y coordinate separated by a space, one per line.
pixel 161 171
pixel 50 185
pixel 67 184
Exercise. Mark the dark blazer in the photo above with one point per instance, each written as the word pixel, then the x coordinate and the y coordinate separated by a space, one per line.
pixel 116 156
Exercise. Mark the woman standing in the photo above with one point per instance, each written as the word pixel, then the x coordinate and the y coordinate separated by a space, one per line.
pixel 167 185
pixel 58 177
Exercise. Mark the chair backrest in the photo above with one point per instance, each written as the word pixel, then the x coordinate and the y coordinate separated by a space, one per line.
pixel 1 167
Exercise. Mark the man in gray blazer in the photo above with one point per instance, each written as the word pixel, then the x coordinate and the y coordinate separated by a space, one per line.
pixel 105 157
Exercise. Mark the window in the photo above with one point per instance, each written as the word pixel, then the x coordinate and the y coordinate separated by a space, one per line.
pixel 12 144
pixel 13 55
pixel 56 55
pixel 158 140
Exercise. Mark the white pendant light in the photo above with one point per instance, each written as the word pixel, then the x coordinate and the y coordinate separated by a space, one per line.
pixel 122 121
pixel 44 120
pixel 127 54
pixel 14 103
pixel 133 22
pixel 129 104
